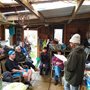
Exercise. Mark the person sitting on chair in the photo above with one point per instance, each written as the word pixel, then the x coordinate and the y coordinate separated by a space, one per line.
pixel 20 57
pixel 12 66
pixel 45 61
pixel 57 66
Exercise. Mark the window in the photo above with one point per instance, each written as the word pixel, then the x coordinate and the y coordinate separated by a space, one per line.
pixel 58 34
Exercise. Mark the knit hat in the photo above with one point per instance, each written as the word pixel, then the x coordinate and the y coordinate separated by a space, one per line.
pixel 11 52
pixel 75 39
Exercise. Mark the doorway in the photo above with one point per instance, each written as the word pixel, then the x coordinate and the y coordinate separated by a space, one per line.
pixel 32 36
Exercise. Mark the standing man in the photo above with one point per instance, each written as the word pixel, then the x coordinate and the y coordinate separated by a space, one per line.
pixel 74 67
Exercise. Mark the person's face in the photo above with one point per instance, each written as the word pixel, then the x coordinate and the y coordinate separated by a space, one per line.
pixel 18 50
pixel 12 56
pixel 59 53
pixel 72 45
pixel 44 50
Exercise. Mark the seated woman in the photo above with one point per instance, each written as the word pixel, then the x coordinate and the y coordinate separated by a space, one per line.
pixel 45 61
pixel 25 52
pixel 58 66
pixel 21 57
pixel 12 66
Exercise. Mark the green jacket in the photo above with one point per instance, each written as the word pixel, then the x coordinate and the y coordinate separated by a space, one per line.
pixel 75 65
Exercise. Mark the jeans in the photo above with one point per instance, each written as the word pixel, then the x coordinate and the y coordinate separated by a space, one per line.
pixel 57 72
pixel 68 86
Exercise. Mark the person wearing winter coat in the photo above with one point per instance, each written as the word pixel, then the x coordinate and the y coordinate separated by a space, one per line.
pixel 75 65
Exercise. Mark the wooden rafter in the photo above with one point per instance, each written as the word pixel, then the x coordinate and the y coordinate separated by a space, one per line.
pixel 26 4
pixel 43 1
pixel 52 20
pixel 1 4
pixel 79 4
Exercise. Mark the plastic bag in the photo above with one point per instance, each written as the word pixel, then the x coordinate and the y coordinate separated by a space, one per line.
pixel 15 86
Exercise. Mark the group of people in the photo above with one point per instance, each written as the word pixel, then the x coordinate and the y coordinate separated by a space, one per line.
pixel 73 68
pixel 19 62
pixel 13 64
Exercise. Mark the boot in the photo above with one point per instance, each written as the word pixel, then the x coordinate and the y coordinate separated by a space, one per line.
pixel 56 82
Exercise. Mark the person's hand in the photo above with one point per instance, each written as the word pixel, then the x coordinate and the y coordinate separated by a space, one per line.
pixel 22 70
pixel 43 65
pixel 58 63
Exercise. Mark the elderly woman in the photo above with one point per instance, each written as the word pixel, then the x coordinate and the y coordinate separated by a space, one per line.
pixel 21 57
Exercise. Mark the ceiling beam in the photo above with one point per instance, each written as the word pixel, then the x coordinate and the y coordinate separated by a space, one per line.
pixel 11 9
pixel 27 5
pixel 43 1
pixel 77 7
pixel 1 4
pixel 65 18
pixel 49 20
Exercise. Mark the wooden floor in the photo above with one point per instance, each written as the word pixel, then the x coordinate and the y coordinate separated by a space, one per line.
pixel 45 83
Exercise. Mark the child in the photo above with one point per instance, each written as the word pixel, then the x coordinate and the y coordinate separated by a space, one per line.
pixel 58 66
pixel 45 61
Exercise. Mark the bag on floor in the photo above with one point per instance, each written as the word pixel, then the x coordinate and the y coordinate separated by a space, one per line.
pixel 7 76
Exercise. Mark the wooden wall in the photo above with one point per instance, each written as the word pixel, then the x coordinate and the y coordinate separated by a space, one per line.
pixel 45 32
pixel 2 32
pixel 80 27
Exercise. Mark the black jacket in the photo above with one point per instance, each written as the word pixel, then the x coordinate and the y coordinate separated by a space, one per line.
pixel 75 65
pixel 20 57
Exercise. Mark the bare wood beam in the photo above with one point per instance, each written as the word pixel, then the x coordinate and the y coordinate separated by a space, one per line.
pixel 10 9
pixel 79 4
pixel 50 20
pixel 44 1
pixel 1 4
pixel 26 4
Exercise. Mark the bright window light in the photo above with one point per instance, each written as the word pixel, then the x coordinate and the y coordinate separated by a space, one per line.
pixel 13 12
pixel 87 2
pixel 52 5
pixel 58 34
pixel 8 1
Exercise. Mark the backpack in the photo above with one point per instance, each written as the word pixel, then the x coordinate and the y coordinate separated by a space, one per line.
pixel 7 76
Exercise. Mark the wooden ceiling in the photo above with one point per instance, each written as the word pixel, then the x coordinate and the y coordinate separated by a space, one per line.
pixel 46 16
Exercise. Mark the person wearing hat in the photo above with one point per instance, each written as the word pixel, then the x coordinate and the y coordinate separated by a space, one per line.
pixel 12 66
pixel 75 65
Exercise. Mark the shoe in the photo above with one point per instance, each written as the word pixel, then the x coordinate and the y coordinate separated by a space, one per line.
pixel 29 86
pixel 56 82
pixel 36 69
pixel 28 83
pixel 41 74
